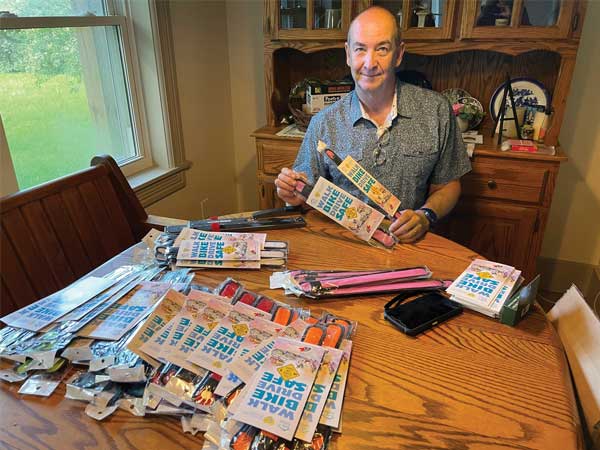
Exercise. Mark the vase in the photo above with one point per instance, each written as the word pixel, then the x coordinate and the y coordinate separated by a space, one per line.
pixel 463 124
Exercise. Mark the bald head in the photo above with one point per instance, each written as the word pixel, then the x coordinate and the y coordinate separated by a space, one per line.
pixel 375 16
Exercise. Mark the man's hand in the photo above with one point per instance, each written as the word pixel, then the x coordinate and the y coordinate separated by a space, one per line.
pixel 286 186
pixel 410 226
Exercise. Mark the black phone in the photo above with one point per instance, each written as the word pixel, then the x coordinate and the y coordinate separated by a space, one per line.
pixel 420 314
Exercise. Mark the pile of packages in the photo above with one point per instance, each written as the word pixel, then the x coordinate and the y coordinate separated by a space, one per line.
pixel 248 371
pixel 494 289
pixel 226 250
pixel 337 283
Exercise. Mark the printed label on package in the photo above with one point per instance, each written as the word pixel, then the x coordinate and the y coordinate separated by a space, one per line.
pixel 168 308
pixel 348 211
pixel 244 367
pixel 45 311
pixel 276 397
pixel 319 394
pixel 229 249
pixel 168 339
pixel 123 315
pixel 364 181
pixel 481 281
pixel 260 330
pixel 219 264
pixel 226 339
pixel 206 321
pixel 189 234
pixel 332 411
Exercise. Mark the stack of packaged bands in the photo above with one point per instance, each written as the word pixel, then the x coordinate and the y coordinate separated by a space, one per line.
pixel 89 322
pixel 226 250
pixel 336 283
pixel 244 368
pixel 281 392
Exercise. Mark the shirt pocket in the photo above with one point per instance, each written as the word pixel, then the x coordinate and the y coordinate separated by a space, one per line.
pixel 355 150
pixel 419 161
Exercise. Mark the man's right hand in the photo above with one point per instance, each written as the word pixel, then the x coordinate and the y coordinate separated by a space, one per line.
pixel 286 186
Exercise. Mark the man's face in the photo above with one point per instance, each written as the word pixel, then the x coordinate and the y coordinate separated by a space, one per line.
pixel 372 55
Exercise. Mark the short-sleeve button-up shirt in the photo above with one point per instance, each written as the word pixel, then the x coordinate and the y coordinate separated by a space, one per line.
pixel 424 146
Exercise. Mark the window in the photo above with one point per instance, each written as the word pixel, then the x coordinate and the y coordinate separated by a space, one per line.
pixel 71 88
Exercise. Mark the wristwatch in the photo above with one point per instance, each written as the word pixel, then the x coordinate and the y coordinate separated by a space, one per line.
pixel 429 214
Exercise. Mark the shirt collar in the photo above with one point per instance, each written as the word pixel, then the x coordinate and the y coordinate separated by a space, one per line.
pixel 388 120
pixel 404 104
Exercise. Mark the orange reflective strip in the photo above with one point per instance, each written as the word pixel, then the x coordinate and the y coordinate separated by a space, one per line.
pixel 313 335
pixel 311 320
pixel 334 335
pixel 282 316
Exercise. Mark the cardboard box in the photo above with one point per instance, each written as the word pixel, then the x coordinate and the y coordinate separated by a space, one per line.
pixel 316 102
pixel 329 87
pixel 518 306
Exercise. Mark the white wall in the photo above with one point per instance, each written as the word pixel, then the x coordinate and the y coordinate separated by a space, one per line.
pixel 248 108
pixel 573 230
pixel 203 76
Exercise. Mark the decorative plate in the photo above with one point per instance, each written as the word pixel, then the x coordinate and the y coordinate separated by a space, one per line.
pixel 453 94
pixel 475 103
pixel 526 91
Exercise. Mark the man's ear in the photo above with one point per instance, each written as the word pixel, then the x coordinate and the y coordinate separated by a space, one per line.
pixel 399 54
pixel 347 47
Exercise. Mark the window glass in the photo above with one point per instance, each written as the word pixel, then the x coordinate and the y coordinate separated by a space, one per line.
pixel 540 13
pixel 292 14
pixel 63 99
pixel 37 8
pixel 426 13
pixel 495 13
pixel 327 14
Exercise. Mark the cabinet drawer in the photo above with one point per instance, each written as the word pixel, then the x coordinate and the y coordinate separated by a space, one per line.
pixel 515 180
pixel 272 156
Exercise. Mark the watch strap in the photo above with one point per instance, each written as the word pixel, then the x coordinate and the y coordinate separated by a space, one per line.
pixel 429 214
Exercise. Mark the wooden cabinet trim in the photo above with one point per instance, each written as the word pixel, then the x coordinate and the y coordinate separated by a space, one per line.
pixel 273 156
pixel 514 181
pixel 515 30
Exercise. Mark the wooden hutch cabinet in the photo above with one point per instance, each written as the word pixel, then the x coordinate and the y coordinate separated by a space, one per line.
pixel 466 44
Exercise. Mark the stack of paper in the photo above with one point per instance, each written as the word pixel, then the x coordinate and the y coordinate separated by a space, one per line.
pixel 485 285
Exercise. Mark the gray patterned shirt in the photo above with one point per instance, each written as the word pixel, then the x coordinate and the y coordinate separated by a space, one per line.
pixel 423 147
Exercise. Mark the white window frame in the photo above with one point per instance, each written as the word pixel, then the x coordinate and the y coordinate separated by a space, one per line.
pixel 159 168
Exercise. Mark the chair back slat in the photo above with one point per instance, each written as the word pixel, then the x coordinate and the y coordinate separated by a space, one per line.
pixel 66 233
pixel 57 232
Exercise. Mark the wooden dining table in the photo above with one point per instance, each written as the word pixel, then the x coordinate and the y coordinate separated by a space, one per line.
pixel 469 383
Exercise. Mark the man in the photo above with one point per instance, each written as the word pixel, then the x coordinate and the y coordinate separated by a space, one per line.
pixel 405 136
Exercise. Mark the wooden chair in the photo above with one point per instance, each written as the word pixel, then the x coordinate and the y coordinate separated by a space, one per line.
pixel 52 234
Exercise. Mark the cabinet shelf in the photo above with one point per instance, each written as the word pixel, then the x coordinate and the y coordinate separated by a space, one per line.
pixel 488 148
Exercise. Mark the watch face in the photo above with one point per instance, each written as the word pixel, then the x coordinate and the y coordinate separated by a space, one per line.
pixel 431 216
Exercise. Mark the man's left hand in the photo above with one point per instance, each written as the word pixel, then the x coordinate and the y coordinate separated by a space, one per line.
pixel 410 226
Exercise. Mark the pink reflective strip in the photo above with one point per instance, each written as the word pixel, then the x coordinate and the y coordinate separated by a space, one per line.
pixel 387 287
pixel 383 238
pixel 420 272
pixel 326 276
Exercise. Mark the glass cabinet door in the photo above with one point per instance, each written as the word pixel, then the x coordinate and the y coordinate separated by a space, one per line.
pixel 491 19
pixel 421 19
pixel 292 14
pixel 327 14
pixel 309 19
